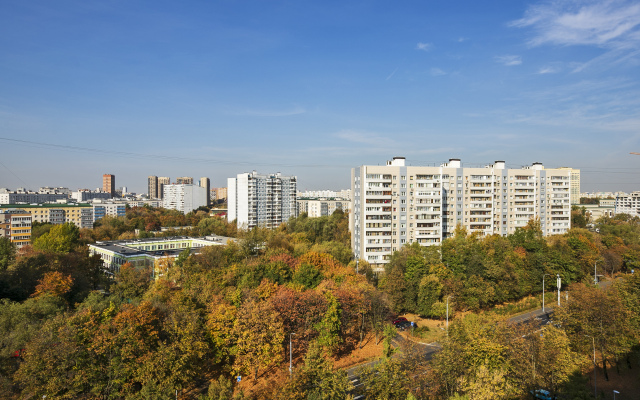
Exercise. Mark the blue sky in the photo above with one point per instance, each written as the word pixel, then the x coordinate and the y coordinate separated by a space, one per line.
pixel 216 88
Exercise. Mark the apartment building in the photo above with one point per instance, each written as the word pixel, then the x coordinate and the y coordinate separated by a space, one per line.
pixel 101 210
pixel 44 195
pixel 184 197
pixel 162 180
pixel 219 194
pixel 628 204
pixel 83 195
pixel 15 224
pixel 81 215
pixel 575 185
pixel 206 183
pixel 261 200
pixel 184 180
pixel 109 184
pixel 320 207
pixel 397 204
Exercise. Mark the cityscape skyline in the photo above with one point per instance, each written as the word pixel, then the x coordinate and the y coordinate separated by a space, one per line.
pixel 312 90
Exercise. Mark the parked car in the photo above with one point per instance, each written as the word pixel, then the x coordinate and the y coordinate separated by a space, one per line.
pixel 399 319
pixel 542 394
pixel 402 325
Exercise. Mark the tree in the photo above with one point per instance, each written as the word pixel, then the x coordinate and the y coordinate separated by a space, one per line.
pixel 7 253
pixel 60 239
pixel 386 380
pixel 53 284
pixel 259 335
pixel 330 326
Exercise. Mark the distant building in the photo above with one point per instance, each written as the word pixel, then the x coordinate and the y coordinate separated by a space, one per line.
pixel 162 181
pixel 44 195
pixel 146 252
pixel 81 215
pixel 184 197
pixel 261 200
pixel 322 207
pixel 396 204
pixel 84 195
pixel 605 208
pixel 628 204
pixel 152 187
pixel 184 180
pixel 206 183
pixel 109 184
pixel 15 224
pixel 101 210
pixel 220 194
pixel 328 194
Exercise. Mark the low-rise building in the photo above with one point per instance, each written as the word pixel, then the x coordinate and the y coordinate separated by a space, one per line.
pixel 320 207
pixel 101 210
pixel 628 204
pixel 148 252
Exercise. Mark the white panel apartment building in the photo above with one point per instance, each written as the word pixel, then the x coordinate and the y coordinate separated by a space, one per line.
pixel 628 204
pixel 184 197
pixel 398 204
pixel 261 200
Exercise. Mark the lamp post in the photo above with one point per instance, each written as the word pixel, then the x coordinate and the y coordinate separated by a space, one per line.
pixel 595 273
pixel 614 394
pixel 543 291
pixel 559 281
pixel 290 357
pixel 595 379
pixel 448 313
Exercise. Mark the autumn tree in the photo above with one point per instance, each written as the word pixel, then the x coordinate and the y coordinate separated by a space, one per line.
pixel 61 238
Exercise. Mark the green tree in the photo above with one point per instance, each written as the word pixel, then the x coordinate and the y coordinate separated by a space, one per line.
pixel 330 326
pixel 7 253
pixel 60 239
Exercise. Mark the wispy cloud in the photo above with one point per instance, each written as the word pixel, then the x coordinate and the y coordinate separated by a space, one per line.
pixel 549 69
pixel 392 74
pixel 363 137
pixel 424 46
pixel 609 24
pixel 509 61
pixel 437 72
pixel 462 39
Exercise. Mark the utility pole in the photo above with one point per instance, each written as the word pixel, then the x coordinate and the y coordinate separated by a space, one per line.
pixel 559 285
pixel 290 357
pixel 543 291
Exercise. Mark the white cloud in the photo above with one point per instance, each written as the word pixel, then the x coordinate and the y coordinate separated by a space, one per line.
pixel 509 61
pixel 549 70
pixel 437 72
pixel 424 46
pixel 602 23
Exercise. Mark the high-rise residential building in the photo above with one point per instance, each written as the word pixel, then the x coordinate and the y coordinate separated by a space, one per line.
pixel 395 204
pixel 15 224
pixel 109 184
pixel 184 198
pixel 44 195
pixel 162 181
pixel 575 185
pixel 152 187
pixel 261 200
pixel 184 180
pixel 206 183
pixel 220 194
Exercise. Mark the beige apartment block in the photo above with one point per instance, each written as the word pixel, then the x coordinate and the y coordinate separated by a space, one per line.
pixel 15 224
pixel 81 215
pixel 396 204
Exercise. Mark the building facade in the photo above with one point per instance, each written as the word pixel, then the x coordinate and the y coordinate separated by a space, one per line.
pixel 219 194
pixel 184 198
pixel 15 224
pixel 321 207
pixel 109 184
pixel 23 196
pixel 147 252
pixel 397 204
pixel 152 187
pixel 261 200
pixel 206 183
pixel 184 180
pixel 101 210
pixel 81 215
pixel 84 195
pixel 628 204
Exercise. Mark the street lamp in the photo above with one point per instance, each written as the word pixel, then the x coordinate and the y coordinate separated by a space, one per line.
pixel 448 312
pixel 543 291
pixel 595 273
pixel 290 357
pixel 614 394
pixel 595 379
pixel 559 281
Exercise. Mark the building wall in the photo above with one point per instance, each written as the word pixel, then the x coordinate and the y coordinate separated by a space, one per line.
pixel 109 184
pixel 184 198
pixel 152 187
pixel 322 207
pixel 15 224
pixel 206 183
pixel 261 200
pixel 109 209
pixel 81 215
pixel 396 204
pixel 162 181
pixel 628 204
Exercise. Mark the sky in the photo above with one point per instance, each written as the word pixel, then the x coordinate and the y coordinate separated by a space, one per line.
pixel 314 88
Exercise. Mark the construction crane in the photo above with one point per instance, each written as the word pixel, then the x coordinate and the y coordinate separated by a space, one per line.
pixel 638 154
